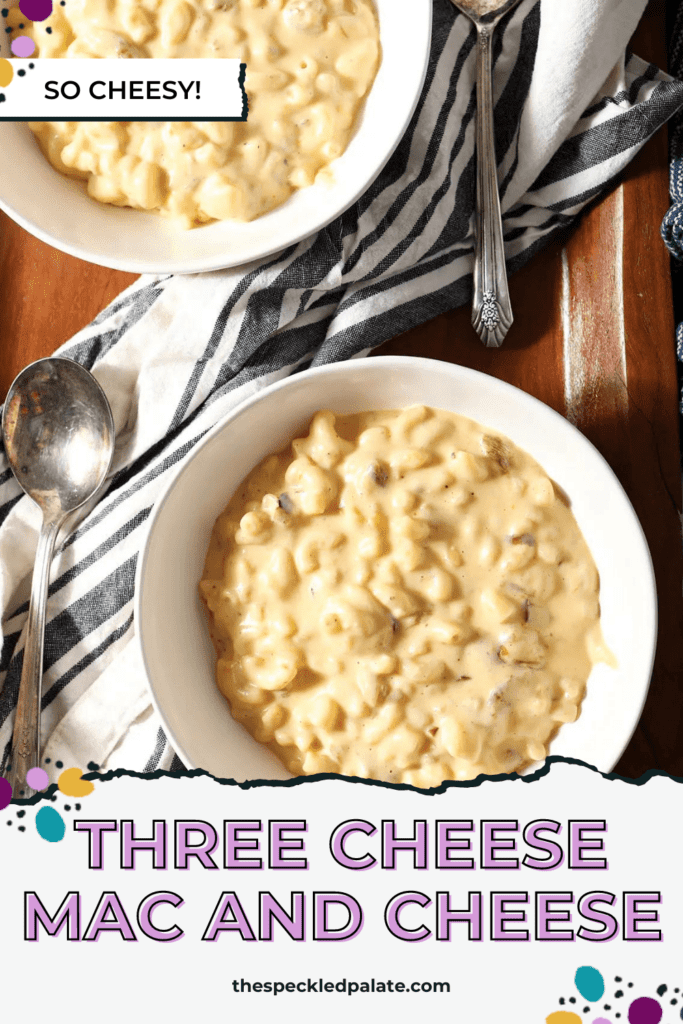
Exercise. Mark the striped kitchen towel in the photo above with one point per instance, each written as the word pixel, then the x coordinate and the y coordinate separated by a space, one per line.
pixel 174 354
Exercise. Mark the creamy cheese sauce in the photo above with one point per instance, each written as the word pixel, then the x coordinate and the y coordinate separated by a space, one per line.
pixel 405 596
pixel 310 64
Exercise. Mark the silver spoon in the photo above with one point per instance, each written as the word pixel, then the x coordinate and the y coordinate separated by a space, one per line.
pixel 58 432
pixel 491 309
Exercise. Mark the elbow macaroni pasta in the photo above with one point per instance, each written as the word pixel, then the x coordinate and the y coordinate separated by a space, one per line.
pixel 310 63
pixel 402 596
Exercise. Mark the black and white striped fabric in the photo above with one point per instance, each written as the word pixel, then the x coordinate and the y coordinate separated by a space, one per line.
pixel 175 354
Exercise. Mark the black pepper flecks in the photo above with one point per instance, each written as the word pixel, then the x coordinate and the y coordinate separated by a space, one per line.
pixel 78 807
pixel 60 764
pixel 618 994
pixel 92 767
pixel 22 828
pixel 21 814
pixel 21 72
pixel 661 990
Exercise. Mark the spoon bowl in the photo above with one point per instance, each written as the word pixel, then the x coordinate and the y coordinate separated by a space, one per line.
pixel 58 433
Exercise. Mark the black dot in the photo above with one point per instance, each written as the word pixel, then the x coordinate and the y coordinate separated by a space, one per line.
pixel 586 1009
pixel 92 767
pixel 21 73
pixel 59 764
pixel 2 97
pixel 630 984
pixel 5 12
pixel 8 30
pixel 22 828
pixel 49 31
pixel 9 822
pixel 78 807
pixel 571 999
pixel 20 814
pixel 67 807
pixel 47 759
pixel 22 25
pixel 617 1015
pixel 673 1002
pixel 618 994
pixel 607 1006
pixel 561 1000
pixel 617 979
pixel 53 798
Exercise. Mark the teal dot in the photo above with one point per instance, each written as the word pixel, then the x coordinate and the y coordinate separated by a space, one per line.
pixel 50 824
pixel 590 983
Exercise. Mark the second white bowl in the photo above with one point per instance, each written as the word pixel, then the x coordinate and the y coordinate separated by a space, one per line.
pixel 177 653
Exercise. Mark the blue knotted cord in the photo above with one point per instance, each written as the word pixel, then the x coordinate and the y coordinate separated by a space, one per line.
pixel 672 225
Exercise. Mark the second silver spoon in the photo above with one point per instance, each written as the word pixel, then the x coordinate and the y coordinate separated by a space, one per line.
pixel 58 433
pixel 491 308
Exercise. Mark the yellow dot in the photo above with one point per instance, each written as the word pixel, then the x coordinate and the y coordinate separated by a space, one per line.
pixel 6 72
pixel 71 784
pixel 563 1017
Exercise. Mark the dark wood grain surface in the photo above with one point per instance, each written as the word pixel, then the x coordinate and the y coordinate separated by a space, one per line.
pixel 593 338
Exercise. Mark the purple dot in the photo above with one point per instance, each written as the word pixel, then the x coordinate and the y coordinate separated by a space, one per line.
pixel 601 1020
pixel 644 1011
pixel 23 46
pixel 37 778
pixel 5 793
pixel 36 10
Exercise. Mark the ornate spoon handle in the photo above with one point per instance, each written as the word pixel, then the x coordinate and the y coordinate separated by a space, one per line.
pixel 491 309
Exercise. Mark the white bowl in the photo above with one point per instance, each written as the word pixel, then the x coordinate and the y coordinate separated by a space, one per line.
pixel 177 653
pixel 58 210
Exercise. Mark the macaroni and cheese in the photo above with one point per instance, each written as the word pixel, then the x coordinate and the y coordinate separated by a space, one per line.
pixel 403 596
pixel 309 63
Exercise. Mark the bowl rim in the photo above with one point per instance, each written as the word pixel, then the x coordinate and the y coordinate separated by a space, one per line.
pixel 212 262
pixel 416 363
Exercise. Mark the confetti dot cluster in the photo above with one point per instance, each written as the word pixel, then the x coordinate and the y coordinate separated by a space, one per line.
pixel 49 823
pixel 591 986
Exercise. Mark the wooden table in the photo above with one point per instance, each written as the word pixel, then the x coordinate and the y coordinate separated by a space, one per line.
pixel 593 338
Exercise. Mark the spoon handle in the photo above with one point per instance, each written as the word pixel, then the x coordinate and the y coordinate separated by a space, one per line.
pixel 491 309
pixel 26 735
